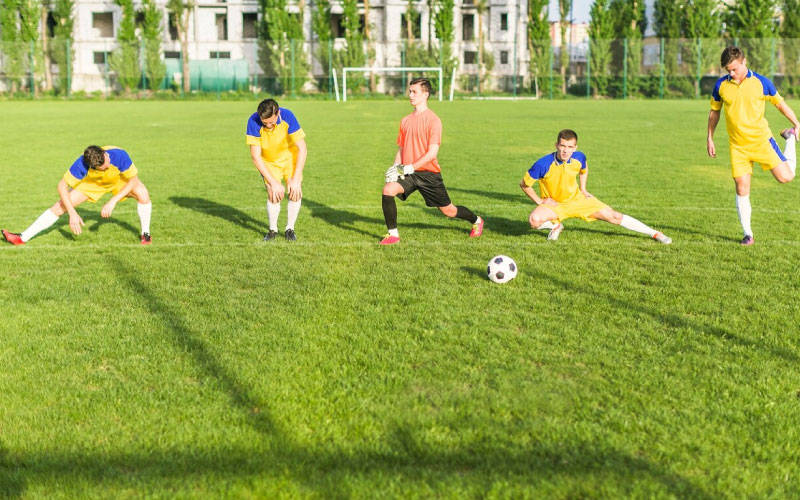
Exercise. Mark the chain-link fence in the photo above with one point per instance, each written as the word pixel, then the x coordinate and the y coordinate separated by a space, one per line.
pixel 615 68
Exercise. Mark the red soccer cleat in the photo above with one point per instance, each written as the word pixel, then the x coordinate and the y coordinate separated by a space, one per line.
pixel 477 228
pixel 13 238
pixel 390 240
pixel 145 239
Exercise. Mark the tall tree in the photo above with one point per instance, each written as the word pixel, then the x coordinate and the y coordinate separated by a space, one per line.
pixel 702 25
pixel 321 25
pixel 444 18
pixel 564 8
pixel 370 50
pixel 353 54
pixel 30 13
pixel 481 7
pixel 13 63
pixel 669 26
pixel 280 49
pixel 790 32
pixel 538 40
pixel 181 11
pixel 61 48
pixel 752 22
pixel 601 33
pixel 152 35
pixel 630 22
pixel 125 58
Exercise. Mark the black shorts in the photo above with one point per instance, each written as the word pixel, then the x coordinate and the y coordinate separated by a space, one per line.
pixel 430 186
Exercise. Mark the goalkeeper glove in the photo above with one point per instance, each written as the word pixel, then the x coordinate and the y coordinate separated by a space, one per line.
pixel 405 169
pixel 392 174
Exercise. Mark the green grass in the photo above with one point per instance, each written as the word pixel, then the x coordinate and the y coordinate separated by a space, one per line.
pixel 212 364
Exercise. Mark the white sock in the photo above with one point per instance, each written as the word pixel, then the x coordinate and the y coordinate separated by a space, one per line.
pixel 44 221
pixel 634 225
pixel 744 209
pixel 145 209
pixel 292 210
pixel 547 225
pixel 273 210
pixel 789 153
pixel 394 232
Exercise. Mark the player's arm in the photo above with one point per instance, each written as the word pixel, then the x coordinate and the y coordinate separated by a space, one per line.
pixel 713 119
pixel 789 114
pixel 277 189
pixel 294 184
pixel 530 192
pixel 75 220
pixel 125 191
pixel 429 155
pixel 584 175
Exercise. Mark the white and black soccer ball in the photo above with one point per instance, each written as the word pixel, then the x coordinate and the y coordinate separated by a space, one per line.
pixel 501 269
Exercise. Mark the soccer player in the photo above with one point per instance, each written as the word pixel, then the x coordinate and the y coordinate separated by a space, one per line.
pixel 97 172
pixel 278 150
pixel 561 196
pixel 416 167
pixel 744 94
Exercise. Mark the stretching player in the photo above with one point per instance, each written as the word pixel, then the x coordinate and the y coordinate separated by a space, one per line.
pixel 97 172
pixel 562 198
pixel 744 94
pixel 416 167
pixel 278 150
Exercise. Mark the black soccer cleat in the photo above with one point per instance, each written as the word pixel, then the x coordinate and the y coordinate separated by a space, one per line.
pixel 145 239
pixel 271 235
pixel 290 235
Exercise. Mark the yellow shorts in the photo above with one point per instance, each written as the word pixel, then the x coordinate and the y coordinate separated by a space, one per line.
pixel 279 171
pixel 767 153
pixel 581 207
pixel 94 191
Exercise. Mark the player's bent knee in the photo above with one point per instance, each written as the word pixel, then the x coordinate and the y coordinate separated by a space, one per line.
pixel 58 209
pixel 392 189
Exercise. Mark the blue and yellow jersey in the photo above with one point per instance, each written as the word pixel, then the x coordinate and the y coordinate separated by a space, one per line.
pixel 557 178
pixel 122 167
pixel 745 104
pixel 279 145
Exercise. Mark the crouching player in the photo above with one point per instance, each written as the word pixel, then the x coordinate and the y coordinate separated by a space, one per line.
pixel 562 198
pixel 97 172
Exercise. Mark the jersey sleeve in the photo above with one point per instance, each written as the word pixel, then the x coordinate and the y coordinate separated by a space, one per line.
pixel 579 156
pixel 435 132
pixel 538 170
pixel 716 99
pixel 770 92
pixel 253 133
pixel 400 136
pixel 294 130
pixel 76 173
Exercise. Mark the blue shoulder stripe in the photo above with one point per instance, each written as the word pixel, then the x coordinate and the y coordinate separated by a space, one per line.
pixel 254 125
pixel 579 156
pixel 78 170
pixel 120 159
pixel 290 120
pixel 769 87
pixel 715 93
pixel 539 169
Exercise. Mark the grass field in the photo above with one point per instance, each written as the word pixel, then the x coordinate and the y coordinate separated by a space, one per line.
pixel 211 364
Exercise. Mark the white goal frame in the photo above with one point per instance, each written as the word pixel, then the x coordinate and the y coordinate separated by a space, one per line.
pixel 387 69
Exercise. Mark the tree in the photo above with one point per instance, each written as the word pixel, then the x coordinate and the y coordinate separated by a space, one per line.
pixel 29 15
pixel 669 26
pixel 752 22
pixel 125 59
pixel 61 48
pixel 630 22
pixel 444 22
pixel 151 36
pixel 485 60
pixel 321 24
pixel 601 32
pixel 538 40
pixel 353 53
pixel 564 7
pixel 278 52
pixel 181 11
pixel 13 63
pixel 790 32
pixel 702 25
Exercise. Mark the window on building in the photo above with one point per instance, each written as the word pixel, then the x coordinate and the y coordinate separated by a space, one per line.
pixel 337 27
pixel 103 22
pixel 219 55
pixel 173 30
pixel 249 25
pixel 139 19
pixel 468 27
pixel 99 57
pixel 504 21
pixel 503 57
pixel 222 26
pixel 172 54
pixel 51 25
pixel 416 26
pixel 470 57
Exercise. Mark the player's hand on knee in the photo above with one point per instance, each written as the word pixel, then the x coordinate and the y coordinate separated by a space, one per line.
pixel 276 192
pixel 549 202
pixel 406 169
pixel 107 209
pixel 295 191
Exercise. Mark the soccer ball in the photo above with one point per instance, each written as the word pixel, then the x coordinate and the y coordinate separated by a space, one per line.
pixel 501 269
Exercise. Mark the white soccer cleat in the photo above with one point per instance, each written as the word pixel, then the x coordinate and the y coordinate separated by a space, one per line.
pixel 555 232
pixel 547 225
pixel 662 238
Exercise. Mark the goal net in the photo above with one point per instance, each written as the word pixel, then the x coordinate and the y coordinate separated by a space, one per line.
pixel 406 71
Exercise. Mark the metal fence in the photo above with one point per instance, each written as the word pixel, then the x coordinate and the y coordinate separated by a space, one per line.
pixel 616 68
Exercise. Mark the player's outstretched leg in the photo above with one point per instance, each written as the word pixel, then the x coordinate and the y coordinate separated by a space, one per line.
pixel 628 222
pixel 789 149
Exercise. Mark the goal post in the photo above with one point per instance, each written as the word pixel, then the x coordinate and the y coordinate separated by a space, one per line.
pixel 387 69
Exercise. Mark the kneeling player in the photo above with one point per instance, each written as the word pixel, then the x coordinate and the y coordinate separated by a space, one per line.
pixel 97 172
pixel 562 198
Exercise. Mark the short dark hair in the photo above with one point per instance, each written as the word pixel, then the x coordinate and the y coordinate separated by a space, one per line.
pixel 730 54
pixel 267 108
pixel 567 134
pixel 93 157
pixel 424 83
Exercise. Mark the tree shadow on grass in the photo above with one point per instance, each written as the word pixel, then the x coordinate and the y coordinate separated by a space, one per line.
pixel 512 198
pixel 222 211
pixel 672 320
pixel 344 219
